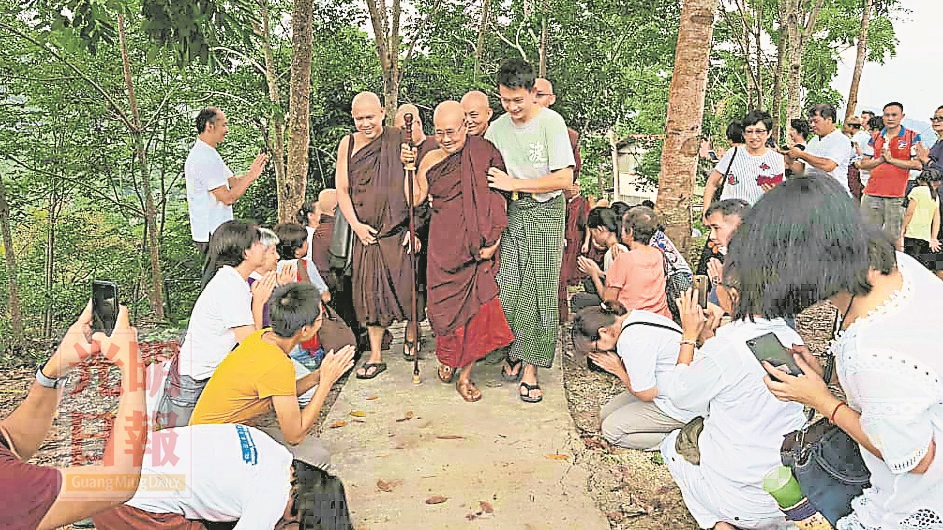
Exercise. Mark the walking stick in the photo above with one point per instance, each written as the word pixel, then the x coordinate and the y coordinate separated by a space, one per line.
pixel 410 169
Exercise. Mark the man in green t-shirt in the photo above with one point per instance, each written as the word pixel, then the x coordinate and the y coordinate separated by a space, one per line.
pixel 536 149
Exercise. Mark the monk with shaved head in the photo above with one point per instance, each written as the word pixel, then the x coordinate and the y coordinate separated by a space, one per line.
pixel 477 112
pixel 370 196
pixel 464 234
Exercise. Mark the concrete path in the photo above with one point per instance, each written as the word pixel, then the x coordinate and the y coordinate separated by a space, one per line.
pixel 402 444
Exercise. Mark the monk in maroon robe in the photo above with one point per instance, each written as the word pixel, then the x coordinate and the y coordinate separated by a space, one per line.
pixel 464 233
pixel 369 181
pixel 321 238
pixel 577 210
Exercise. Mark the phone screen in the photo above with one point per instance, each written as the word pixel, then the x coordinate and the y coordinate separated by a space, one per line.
pixel 104 306
pixel 768 348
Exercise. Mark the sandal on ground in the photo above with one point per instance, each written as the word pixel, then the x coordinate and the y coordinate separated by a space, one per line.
pixel 468 390
pixel 366 374
pixel 527 397
pixel 445 373
pixel 512 376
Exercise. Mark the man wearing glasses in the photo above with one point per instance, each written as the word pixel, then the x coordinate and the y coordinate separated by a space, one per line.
pixel 464 234
pixel 830 152
pixel 932 158
pixel 750 171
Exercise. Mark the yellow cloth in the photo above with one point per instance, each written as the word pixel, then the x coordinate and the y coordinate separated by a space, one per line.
pixel 243 384
pixel 922 221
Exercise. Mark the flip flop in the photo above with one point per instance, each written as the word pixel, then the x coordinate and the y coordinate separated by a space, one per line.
pixel 443 369
pixel 377 369
pixel 509 376
pixel 526 397
pixel 468 391
pixel 410 350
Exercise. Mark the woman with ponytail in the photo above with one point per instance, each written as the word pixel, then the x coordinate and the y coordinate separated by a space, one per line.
pixel 641 349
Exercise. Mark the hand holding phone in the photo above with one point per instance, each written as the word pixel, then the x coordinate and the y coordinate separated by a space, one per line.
pixel 701 285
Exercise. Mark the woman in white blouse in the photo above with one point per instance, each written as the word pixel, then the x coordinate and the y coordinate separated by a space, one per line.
pixel 889 356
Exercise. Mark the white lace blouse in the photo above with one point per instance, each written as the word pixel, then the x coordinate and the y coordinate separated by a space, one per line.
pixel 890 364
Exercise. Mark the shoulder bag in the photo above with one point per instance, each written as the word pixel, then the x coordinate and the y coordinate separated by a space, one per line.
pixel 341 250
pixel 826 461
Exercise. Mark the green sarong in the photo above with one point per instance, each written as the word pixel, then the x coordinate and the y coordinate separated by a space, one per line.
pixel 531 253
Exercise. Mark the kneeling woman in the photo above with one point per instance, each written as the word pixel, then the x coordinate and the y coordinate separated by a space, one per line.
pixel 641 349
pixel 721 473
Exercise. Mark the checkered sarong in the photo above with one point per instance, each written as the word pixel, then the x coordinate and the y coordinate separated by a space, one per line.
pixel 531 252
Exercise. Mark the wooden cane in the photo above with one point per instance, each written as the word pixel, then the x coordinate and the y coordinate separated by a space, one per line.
pixel 410 169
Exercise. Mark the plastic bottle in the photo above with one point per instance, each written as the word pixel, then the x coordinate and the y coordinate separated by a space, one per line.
pixel 785 489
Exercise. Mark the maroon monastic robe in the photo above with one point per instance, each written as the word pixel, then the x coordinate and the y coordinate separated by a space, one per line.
pixel 321 243
pixel 466 217
pixel 382 272
pixel 577 210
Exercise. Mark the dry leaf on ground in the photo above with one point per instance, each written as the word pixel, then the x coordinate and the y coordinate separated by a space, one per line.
pixel 358 413
pixel 336 424
pixel 450 437
pixel 486 507
pixel 436 499
pixel 388 485
pixel 557 456
pixel 372 397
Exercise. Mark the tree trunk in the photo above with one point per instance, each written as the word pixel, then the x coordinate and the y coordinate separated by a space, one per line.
pixel 155 294
pixel 291 192
pixel 482 30
pixel 794 69
pixel 387 41
pixel 16 314
pixel 685 112
pixel 781 58
pixel 544 37
pixel 859 61
pixel 758 36
pixel 276 129
pixel 49 262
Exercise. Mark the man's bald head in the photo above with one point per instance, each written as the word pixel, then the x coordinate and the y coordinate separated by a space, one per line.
pixel 450 130
pixel 327 201
pixel 545 95
pixel 368 114
pixel 400 120
pixel 477 112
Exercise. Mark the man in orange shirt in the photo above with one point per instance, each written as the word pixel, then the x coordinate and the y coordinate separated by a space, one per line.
pixel 258 375
pixel 883 198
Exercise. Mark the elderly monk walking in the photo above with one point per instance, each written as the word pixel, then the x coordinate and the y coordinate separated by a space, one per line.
pixel 539 160
pixel 370 196
pixel 464 234
pixel 477 112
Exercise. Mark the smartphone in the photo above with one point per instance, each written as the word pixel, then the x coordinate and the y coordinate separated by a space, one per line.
pixel 768 348
pixel 700 284
pixel 104 306
pixel 712 155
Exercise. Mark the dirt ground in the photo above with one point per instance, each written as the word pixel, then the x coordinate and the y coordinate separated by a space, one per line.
pixel 632 488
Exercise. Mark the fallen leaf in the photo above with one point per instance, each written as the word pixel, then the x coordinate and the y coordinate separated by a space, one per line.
pixel 358 420
pixel 436 499
pixel 486 507
pixel 450 437
pixel 372 397
pixel 615 517
pixel 358 413
pixel 336 424
pixel 409 414
pixel 557 456
pixel 388 486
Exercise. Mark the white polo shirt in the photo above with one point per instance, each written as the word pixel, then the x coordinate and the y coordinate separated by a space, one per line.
pixel 204 171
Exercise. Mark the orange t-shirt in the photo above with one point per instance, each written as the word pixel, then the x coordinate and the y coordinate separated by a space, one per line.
pixel 888 180
pixel 640 277
pixel 243 384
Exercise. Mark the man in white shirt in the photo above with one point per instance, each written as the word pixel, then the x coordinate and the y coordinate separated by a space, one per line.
pixel 829 153
pixel 211 187
pixel 225 473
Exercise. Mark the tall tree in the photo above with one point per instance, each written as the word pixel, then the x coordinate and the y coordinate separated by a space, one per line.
pixel 801 17
pixel 685 112
pixel 276 118
pixel 16 313
pixel 859 60
pixel 291 192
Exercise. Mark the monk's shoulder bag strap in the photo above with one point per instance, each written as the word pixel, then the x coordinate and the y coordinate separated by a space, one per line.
pixel 826 461
pixel 341 250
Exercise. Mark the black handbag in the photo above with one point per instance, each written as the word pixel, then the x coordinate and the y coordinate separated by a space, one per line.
pixel 341 250
pixel 826 462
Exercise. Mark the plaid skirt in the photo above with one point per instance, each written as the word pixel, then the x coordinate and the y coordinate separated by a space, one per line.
pixel 531 253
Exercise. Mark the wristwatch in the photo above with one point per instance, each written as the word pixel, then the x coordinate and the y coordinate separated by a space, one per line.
pixel 47 382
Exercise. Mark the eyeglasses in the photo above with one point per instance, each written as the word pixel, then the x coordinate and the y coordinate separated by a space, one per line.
pixel 542 95
pixel 755 131
pixel 451 133
pixel 936 118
